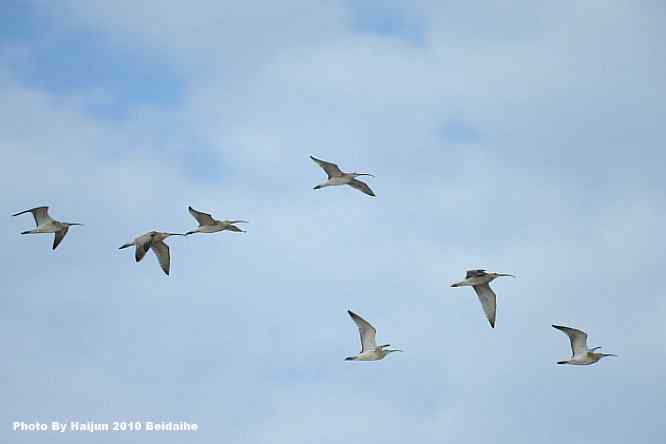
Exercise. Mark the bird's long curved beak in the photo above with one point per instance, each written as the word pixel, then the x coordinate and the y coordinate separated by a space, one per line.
pixel 506 274
pixel 366 174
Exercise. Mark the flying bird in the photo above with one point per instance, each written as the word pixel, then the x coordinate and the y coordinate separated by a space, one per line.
pixel 337 177
pixel 209 225
pixel 153 240
pixel 580 354
pixel 47 225
pixel 369 349
pixel 480 280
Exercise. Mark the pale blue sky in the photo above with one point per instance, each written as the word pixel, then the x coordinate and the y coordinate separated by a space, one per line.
pixel 525 139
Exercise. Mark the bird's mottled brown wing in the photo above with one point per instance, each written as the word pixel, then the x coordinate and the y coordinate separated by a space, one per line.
pixel 361 186
pixel 142 245
pixel 578 339
pixel 366 331
pixel 161 250
pixel 331 169
pixel 202 218
pixel 488 301
pixel 59 236
pixel 41 215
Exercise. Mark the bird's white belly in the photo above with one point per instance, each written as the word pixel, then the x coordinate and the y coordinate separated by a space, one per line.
pixel 370 356
pixel 582 360
pixel 333 181
pixel 211 228
pixel 47 228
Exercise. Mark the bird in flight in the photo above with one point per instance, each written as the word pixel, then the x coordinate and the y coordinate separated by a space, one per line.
pixel 480 280
pixel 209 225
pixel 369 349
pixel 337 177
pixel 47 225
pixel 580 354
pixel 153 240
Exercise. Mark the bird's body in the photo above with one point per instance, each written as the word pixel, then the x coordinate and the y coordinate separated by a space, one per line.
pixel 45 224
pixel 209 225
pixel 480 280
pixel 580 354
pixel 337 177
pixel 370 351
pixel 153 240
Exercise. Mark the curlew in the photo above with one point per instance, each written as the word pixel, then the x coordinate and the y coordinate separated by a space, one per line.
pixel 47 225
pixel 153 240
pixel 369 349
pixel 580 354
pixel 209 225
pixel 480 280
pixel 337 177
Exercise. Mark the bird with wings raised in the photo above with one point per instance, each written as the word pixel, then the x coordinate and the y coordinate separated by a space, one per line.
pixel 45 224
pixel 370 351
pixel 580 354
pixel 209 225
pixel 338 177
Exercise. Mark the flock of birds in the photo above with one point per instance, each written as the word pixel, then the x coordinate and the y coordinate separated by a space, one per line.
pixel 478 279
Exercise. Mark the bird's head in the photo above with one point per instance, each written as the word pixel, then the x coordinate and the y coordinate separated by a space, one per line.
pixel 496 275
pixel 156 235
pixel 387 351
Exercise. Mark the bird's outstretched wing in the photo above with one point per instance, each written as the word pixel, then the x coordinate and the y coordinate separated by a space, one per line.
pixel 142 245
pixel 366 331
pixel 202 218
pixel 488 301
pixel 361 186
pixel 59 236
pixel 331 169
pixel 41 215
pixel 578 339
pixel 475 273
pixel 232 227
pixel 161 250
